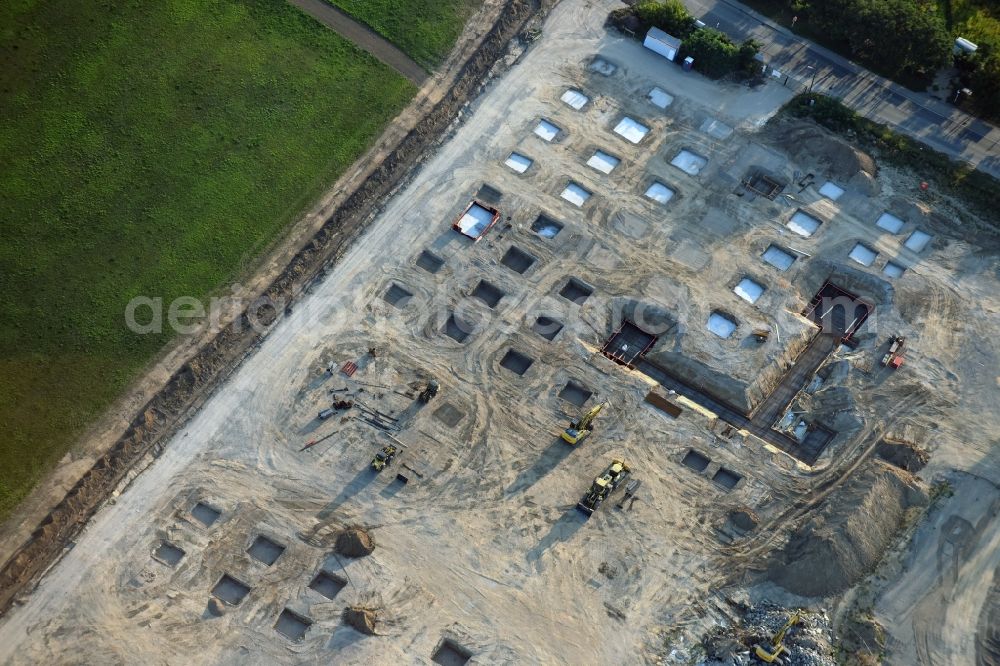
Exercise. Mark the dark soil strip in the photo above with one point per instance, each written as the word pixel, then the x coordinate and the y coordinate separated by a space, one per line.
pixel 191 386
pixel 363 37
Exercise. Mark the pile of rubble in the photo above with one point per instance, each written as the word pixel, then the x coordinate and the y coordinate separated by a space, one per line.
pixel 809 641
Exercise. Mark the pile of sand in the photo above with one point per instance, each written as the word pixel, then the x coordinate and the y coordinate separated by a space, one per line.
pixel 847 537
pixel 354 542
pixel 809 144
pixel 360 619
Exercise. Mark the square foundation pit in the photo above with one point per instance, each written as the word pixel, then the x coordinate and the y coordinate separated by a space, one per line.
pixel 889 222
pixel 547 327
pixel 659 98
pixel 168 553
pixel 457 328
pixel 546 227
pixel 689 162
pixel 778 257
pixel 230 591
pixel 265 550
pixel 602 66
pixel 488 293
pixel 516 362
pixel 397 296
pixel 722 325
pixel 292 626
pixel 863 254
pixel 803 224
pixel 893 270
pixel 429 262
pixel 546 130
pixel 518 162
pixel 575 193
pixel 631 130
pixel 749 290
pixel 517 260
pixel 726 478
pixel 576 291
pixel 917 241
pixel 695 461
pixel 327 584
pixel 575 394
pixel 205 514
pixel 574 99
pixel 450 653
pixel 831 190
pixel 659 192
pixel 449 414
pixel 603 162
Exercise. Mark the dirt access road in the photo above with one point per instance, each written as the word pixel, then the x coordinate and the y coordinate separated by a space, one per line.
pixel 364 37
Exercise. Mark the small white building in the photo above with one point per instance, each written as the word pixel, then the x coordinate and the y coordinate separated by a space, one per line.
pixel 662 43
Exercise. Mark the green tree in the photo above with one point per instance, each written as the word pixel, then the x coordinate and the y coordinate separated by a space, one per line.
pixel 713 52
pixel 669 16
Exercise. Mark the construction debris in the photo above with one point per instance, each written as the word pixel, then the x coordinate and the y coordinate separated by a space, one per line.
pixel 354 542
pixel 361 619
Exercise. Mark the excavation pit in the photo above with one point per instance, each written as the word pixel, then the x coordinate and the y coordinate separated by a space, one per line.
pixel 628 344
pixel 763 185
pixel 489 194
pixel 779 258
pixel 863 254
pixel 547 327
pixel 576 291
pixel 722 325
pixel 660 98
pixel 603 162
pixel 546 131
pixel 574 99
pixel 327 584
pixel 726 478
pixel 488 293
pixel 602 66
pixel 631 130
pixel 518 162
pixel 449 414
pixel 205 514
pixel 837 311
pixel 917 241
pixel 695 461
pixel 517 260
pixel 831 190
pixel 230 591
pixel 168 554
pixel 575 193
pixel 749 290
pixel 575 394
pixel 265 551
pixel 429 262
pixel 889 223
pixel 516 362
pixel 450 653
pixel 292 626
pixel 659 192
pixel 457 329
pixel 546 227
pixel 689 162
pixel 476 220
pixel 396 296
pixel 803 224
pixel 893 270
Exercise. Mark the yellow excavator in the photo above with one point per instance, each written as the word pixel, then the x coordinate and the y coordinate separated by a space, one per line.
pixel 582 427
pixel 771 654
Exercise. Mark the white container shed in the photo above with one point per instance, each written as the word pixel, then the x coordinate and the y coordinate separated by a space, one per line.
pixel 662 43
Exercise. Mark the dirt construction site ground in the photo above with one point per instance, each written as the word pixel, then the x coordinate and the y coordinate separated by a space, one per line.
pixel 481 553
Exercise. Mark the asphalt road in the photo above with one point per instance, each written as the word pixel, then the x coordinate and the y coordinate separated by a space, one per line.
pixel 935 123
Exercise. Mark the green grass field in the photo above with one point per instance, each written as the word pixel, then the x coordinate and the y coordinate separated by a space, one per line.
pixel 424 29
pixel 149 148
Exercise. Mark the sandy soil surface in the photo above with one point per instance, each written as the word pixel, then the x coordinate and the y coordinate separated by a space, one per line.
pixel 482 546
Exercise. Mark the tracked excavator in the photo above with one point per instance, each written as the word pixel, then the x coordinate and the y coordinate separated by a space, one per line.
pixel 583 426
pixel 771 654
pixel 602 487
